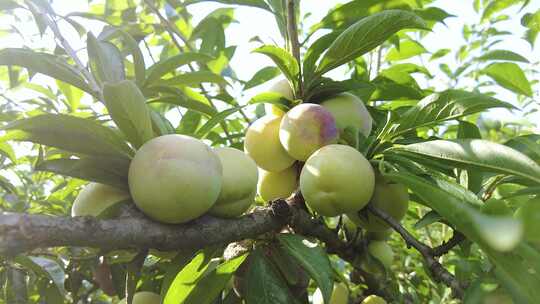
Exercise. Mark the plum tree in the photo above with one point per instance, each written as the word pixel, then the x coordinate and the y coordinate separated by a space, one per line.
pixel 273 185
pixel 263 146
pixel 529 214
pixel 390 197
pixel 95 198
pixel 175 178
pixel 283 88
pixel 340 295
pixel 373 299
pixel 144 297
pixel 305 129
pixel 349 112
pixel 337 179
pixel 239 183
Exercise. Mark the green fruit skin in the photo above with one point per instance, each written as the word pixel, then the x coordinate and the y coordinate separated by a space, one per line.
pixel 175 178
pixel 498 296
pixel 274 185
pixel 337 179
pixel 95 198
pixel 373 299
pixel 529 214
pixel 144 297
pixel 382 251
pixel 340 295
pixel 305 129
pixel 379 235
pixel 284 88
pixel 389 197
pixel 349 112
pixel 263 146
pixel 239 183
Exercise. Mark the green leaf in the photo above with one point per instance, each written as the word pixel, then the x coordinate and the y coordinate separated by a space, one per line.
pixel 132 46
pixel 496 6
pixel 113 172
pixel 105 60
pixel 73 95
pixel 499 233
pixel 526 144
pixel 69 133
pixel 407 49
pixel 263 75
pixel 253 3
pixel 448 105
pixel 8 5
pixel 186 280
pixel 283 59
pixel 476 153
pixel 160 124
pixel 428 219
pixel 509 76
pixel 313 259
pixel 365 35
pixel 502 55
pixel 350 12
pixel 203 131
pixel 272 98
pixel 314 52
pixel 325 88
pixel 262 282
pixel 186 102
pixel 165 66
pixel 46 64
pixel 474 177
pixel 433 15
pixel 7 151
pixel 439 54
pixel 209 287
pixel 127 107
pixel 194 79
pixel 44 267
pixel 181 259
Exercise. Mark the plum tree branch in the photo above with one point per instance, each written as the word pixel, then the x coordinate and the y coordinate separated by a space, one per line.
pixel 24 232
pixel 438 272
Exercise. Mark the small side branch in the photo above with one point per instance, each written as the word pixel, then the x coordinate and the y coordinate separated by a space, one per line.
pixel 438 272
pixel 292 30
pixel 445 247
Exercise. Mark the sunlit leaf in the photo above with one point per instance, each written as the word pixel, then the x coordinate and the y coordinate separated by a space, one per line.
pixel 510 76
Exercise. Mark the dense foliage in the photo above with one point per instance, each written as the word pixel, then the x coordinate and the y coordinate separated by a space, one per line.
pixel 70 116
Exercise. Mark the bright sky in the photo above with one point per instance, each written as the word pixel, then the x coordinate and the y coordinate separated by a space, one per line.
pixel 255 22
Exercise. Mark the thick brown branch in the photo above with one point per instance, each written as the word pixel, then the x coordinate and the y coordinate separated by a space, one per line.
pixel 438 272
pixel 24 232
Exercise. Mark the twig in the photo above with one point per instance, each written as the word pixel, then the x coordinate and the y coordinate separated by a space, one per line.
pixel 292 29
pixel 438 272
pixel 444 248
pixel 51 22
pixel 132 274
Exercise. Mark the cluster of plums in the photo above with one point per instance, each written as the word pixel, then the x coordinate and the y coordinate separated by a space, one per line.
pixel 335 178
pixel 177 178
